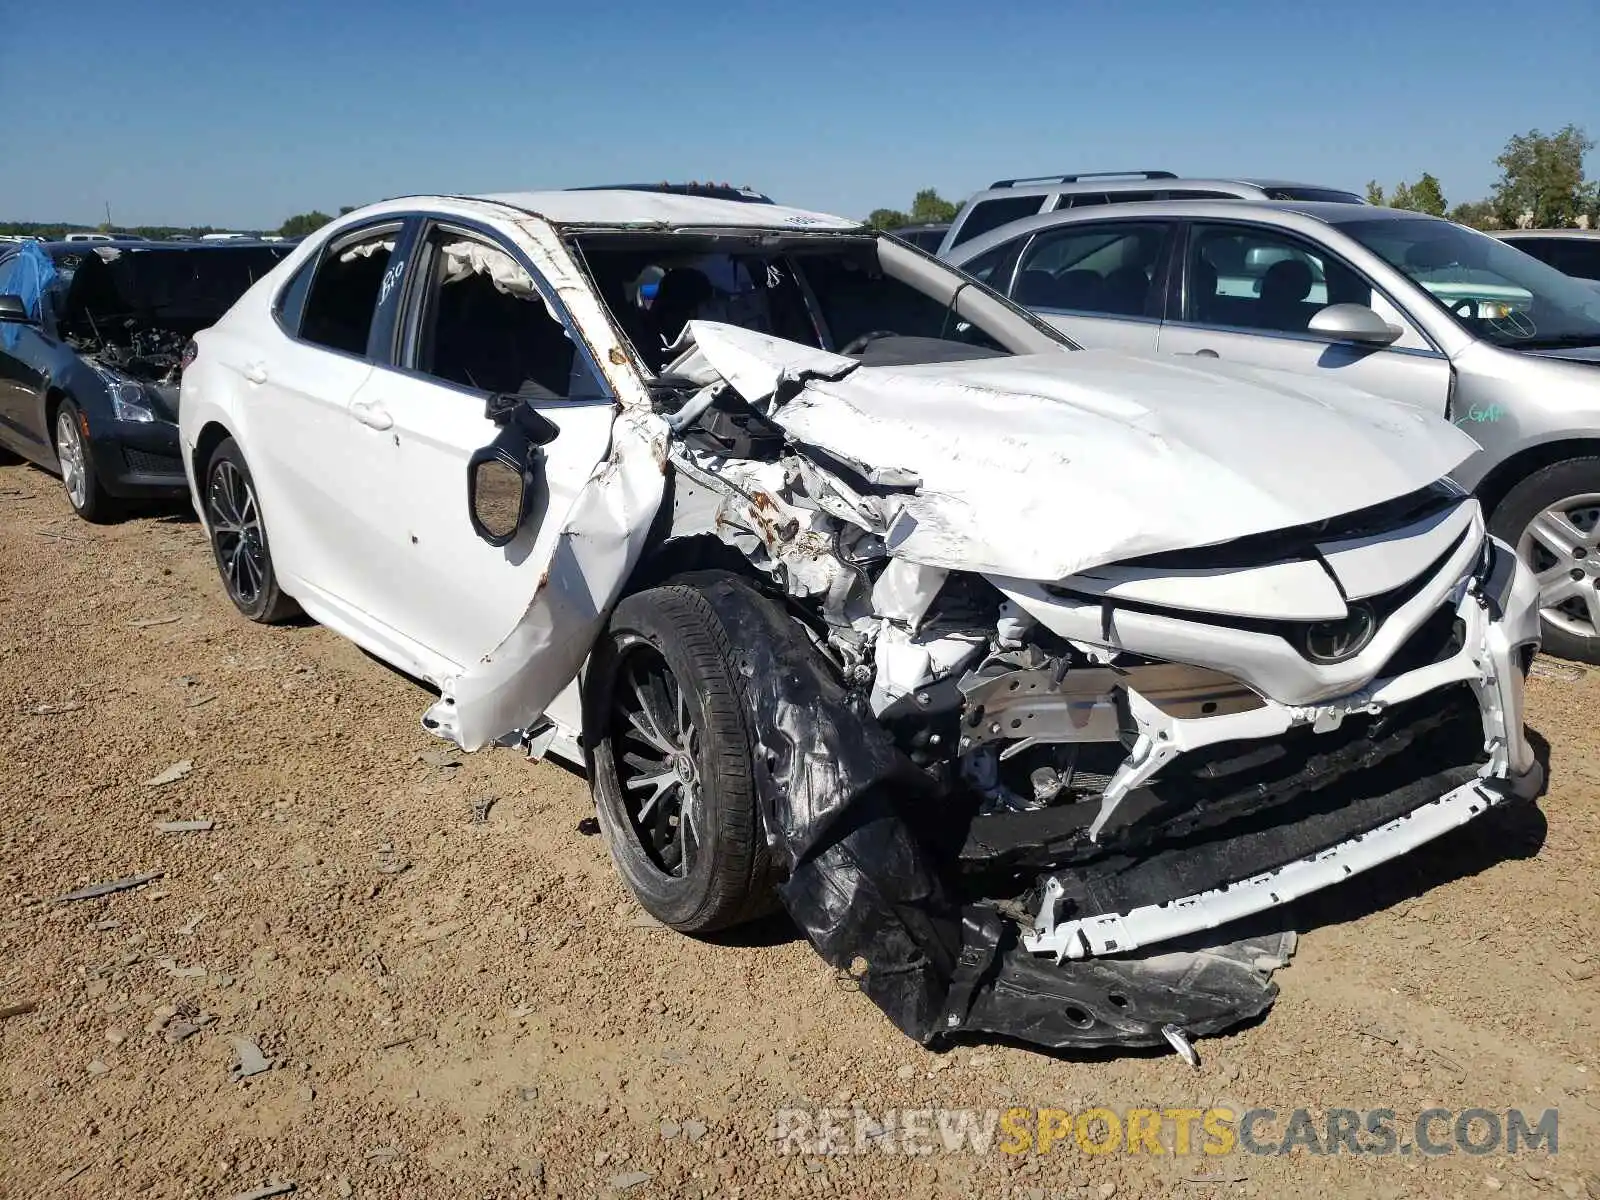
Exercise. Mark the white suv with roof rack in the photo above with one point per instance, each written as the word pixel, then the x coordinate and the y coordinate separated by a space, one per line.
pixel 1007 200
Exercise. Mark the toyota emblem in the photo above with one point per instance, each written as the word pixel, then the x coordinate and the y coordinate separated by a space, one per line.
pixel 1336 641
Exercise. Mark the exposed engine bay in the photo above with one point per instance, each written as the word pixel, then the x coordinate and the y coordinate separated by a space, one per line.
pixel 133 308
pixel 1126 756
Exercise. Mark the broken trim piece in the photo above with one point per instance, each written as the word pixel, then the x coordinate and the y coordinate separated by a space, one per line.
pixel 1117 933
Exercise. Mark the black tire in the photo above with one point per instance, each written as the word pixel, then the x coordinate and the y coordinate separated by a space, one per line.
pixel 80 477
pixel 1569 632
pixel 239 538
pixel 671 635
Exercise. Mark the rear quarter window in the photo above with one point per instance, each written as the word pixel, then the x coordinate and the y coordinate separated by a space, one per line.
pixel 291 302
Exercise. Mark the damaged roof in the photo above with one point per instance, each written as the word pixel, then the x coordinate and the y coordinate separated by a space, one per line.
pixel 621 208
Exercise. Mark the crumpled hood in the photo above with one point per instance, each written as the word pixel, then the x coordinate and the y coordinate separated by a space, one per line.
pixel 1042 466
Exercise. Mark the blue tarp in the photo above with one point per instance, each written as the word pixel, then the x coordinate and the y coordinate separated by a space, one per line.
pixel 32 272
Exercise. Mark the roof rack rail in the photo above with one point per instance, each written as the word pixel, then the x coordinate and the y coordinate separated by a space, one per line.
pixel 1005 183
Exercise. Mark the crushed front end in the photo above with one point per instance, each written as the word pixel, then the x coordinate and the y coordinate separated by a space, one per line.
pixel 1044 808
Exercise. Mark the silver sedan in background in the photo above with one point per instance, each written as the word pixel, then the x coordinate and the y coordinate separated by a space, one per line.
pixel 1400 304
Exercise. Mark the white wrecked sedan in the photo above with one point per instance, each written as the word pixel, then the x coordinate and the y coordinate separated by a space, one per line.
pixel 1009 671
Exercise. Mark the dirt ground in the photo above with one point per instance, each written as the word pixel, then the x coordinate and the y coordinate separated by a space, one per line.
pixel 457 999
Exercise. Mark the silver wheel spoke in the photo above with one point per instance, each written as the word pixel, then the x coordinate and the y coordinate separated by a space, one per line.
pixel 662 784
pixel 1591 602
pixel 653 737
pixel 1557 586
pixel 1555 531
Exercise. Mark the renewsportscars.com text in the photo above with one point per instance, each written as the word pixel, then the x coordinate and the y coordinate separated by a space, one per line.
pixel 1156 1131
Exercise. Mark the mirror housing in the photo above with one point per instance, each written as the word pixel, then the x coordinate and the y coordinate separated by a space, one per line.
pixel 14 310
pixel 508 411
pixel 503 478
pixel 1353 323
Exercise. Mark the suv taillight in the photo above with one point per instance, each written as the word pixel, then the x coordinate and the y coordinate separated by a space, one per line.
pixel 190 353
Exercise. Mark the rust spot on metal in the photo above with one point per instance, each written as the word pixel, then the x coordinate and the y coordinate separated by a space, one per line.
pixel 618 358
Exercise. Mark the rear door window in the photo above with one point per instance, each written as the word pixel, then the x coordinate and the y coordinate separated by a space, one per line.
pixel 1113 268
pixel 354 276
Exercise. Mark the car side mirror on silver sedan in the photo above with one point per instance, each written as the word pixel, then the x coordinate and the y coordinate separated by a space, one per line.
pixel 14 310
pixel 1353 323
pixel 504 477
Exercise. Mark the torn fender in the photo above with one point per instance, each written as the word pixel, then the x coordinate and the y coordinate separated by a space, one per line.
pixel 595 553
pixel 1043 466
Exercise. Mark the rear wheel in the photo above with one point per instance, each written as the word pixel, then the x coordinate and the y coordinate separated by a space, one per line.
pixel 79 477
pixel 239 538
pixel 673 783
pixel 1553 519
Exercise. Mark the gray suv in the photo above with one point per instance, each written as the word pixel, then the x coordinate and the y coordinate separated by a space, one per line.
pixel 1007 200
pixel 1407 306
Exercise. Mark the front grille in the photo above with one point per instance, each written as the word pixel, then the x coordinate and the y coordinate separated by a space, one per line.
pixel 142 462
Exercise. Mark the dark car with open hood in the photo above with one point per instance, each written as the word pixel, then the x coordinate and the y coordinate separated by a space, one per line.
pixel 92 339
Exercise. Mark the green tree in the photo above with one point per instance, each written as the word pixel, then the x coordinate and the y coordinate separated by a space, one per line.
pixel 887 218
pixel 303 223
pixel 346 209
pixel 1401 197
pixel 1375 192
pixel 1541 179
pixel 1478 214
pixel 929 208
pixel 1427 196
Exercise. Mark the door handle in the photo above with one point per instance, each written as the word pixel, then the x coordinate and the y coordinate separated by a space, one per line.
pixel 255 372
pixel 1206 354
pixel 374 415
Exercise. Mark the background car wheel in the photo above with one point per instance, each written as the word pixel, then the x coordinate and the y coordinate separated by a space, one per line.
pixel 670 763
pixel 1553 519
pixel 78 475
pixel 239 538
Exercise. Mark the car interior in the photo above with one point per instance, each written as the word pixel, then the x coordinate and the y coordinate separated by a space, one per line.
pixel 485 326
pixel 1111 271
pixel 1254 281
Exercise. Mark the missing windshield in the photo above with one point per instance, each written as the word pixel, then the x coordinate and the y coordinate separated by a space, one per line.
pixel 838 294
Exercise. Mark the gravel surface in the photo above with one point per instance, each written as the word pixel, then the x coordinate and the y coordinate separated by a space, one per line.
pixel 346 962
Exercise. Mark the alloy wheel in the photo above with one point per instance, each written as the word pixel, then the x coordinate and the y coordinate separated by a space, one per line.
pixel 1562 547
pixel 236 532
pixel 658 758
pixel 74 462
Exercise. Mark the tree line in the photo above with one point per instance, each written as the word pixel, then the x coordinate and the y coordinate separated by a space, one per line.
pixel 1542 184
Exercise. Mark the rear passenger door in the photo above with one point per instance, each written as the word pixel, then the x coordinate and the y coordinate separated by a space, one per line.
pixel 310 463
pixel 1248 293
pixel 1103 283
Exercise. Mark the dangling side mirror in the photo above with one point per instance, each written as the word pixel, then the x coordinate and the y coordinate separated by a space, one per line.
pixel 503 477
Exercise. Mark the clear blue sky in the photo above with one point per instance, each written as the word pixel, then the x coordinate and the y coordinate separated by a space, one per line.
pixel 240 114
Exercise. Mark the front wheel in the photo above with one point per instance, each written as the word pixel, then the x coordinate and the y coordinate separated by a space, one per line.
pixel 1553 519
pixel 79 476
pixel 673 783
pixel 239 538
